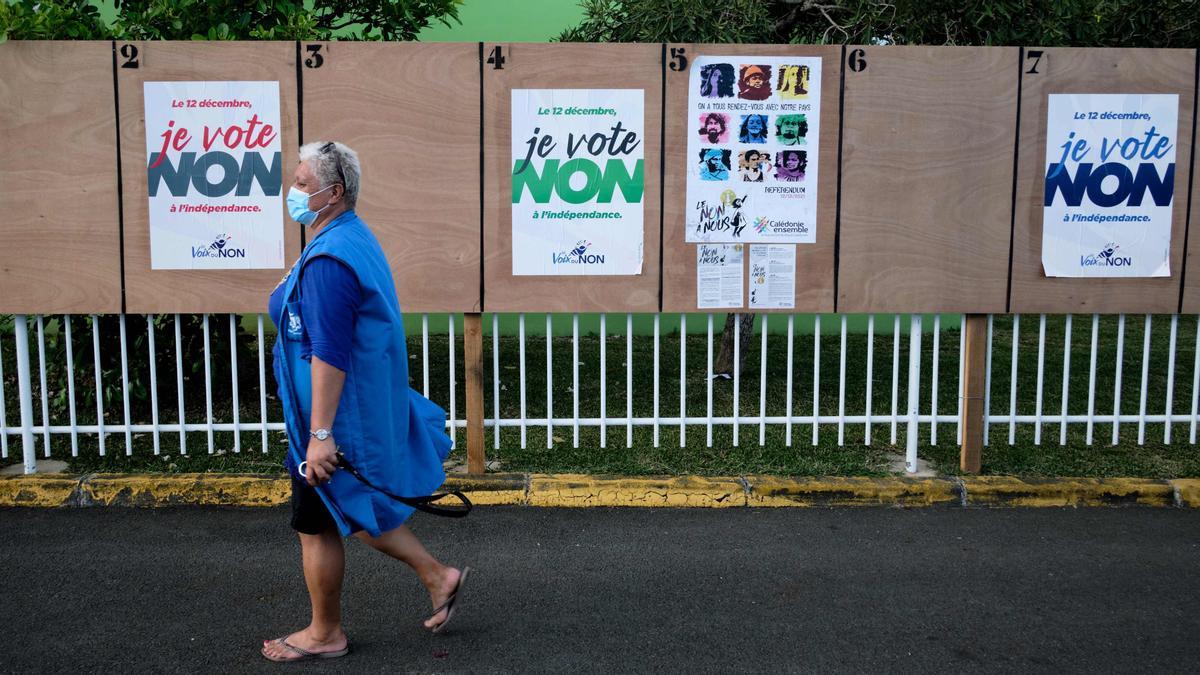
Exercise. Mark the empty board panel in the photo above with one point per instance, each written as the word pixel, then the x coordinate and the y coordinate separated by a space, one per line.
pixel 150 290
pixel 814 262
pixel 58 179
pixel 1191 282
pixel 927 170
pixel 411 112
pixel 630 74
pixel 1191 303
pixel 1093 71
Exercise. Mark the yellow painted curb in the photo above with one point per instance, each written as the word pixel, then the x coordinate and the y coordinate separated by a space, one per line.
pixel 488 490
pixel 1012 491
pixel 254 490
pixel 207 489
pixel 572 490
pixel 201 489
pixel 582 490
pixel 851 491
pixel 41 490
pixel 1187 492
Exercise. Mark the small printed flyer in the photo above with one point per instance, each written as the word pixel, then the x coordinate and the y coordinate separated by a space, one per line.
pixel 1109 185
pixel 215 175
pixel 753 129
pixel 773 276
pixel 578 181
pixel 719 276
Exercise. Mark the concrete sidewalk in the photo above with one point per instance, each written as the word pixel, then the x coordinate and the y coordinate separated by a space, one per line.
pixel 630 590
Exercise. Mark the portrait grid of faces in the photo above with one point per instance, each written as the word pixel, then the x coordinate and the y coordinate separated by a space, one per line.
pixel 724 136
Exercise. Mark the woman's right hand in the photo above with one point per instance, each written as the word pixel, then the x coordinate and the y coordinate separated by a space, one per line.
pixel 321 459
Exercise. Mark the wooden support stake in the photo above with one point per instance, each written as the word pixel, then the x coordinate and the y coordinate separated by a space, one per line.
pixel 974 373
pixel 473 368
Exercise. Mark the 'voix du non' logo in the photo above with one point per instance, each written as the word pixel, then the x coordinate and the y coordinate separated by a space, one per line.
pixel 219 248
pixel 578 255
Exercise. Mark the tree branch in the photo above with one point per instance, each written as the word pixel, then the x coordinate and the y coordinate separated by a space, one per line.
pixel 832 24
pixel 784 26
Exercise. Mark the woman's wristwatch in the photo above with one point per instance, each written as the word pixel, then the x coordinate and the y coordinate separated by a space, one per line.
pixel 320 434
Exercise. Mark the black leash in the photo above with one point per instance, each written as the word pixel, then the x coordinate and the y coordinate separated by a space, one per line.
pixel 423 504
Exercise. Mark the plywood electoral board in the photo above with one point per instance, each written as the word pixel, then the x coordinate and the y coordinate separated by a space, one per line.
pixel 1190 302
pixel 814 262
pixel 214 291
pixel 58 179
pixel 927 178
pixel 1093 71
pixel 566 66
pixel 411 112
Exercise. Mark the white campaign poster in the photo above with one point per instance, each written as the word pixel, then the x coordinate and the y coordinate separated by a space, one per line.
pixel 753 128
pixel 719 276
pixel 773 276
pixel 578 185
pixel 215 175
pixel 1109 185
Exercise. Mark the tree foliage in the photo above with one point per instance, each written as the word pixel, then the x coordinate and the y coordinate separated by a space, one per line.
pixel 225 19
pixel 672 21
pixel 52 20
pixel 1048 23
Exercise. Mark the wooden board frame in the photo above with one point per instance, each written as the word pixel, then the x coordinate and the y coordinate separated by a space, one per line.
pixel 1094 71
pixel 814 262
pixel 411 111
pixel 58 179
pixel 547 66
pixel 904 246
pixel 198 291
pixel 1190 297
pixel 927 166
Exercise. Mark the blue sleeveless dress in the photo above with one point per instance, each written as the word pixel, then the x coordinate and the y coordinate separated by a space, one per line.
pixel 391 433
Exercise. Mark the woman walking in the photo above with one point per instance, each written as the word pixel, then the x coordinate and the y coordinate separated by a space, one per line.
pixel 342 368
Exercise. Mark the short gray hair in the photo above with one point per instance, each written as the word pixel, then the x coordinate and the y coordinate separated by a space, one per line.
pixel 326 162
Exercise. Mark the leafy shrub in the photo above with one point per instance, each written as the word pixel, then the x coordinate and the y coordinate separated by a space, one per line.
pixel 1048 23
pixel 224 19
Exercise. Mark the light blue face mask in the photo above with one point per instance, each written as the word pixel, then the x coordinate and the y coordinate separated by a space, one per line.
pixel 297 203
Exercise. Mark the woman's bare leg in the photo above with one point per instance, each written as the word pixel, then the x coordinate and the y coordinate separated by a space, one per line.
pixel 324 565
pixel 440 580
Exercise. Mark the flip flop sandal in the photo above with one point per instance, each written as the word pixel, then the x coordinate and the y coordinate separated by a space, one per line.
pixel 305 655
pixel 451 602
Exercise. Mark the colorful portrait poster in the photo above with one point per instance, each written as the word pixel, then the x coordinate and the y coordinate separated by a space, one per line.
pixel 753 126
pixel 215 175
pixel 578 185
pixel 1109 185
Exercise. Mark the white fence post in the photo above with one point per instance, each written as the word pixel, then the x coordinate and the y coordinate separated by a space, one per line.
pixel 914 387
pixel 25 390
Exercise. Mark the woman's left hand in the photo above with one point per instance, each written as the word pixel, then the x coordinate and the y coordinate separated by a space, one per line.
pixel 321 460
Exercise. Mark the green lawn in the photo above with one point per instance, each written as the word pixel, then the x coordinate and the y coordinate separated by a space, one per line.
pixel 802 457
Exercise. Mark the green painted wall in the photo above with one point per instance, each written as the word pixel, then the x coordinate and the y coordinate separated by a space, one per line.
pixel 508 21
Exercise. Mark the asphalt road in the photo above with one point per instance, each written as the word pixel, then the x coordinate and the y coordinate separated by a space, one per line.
pixel 620 590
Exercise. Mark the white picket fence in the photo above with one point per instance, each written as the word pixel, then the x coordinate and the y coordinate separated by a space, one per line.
pixel 919 414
